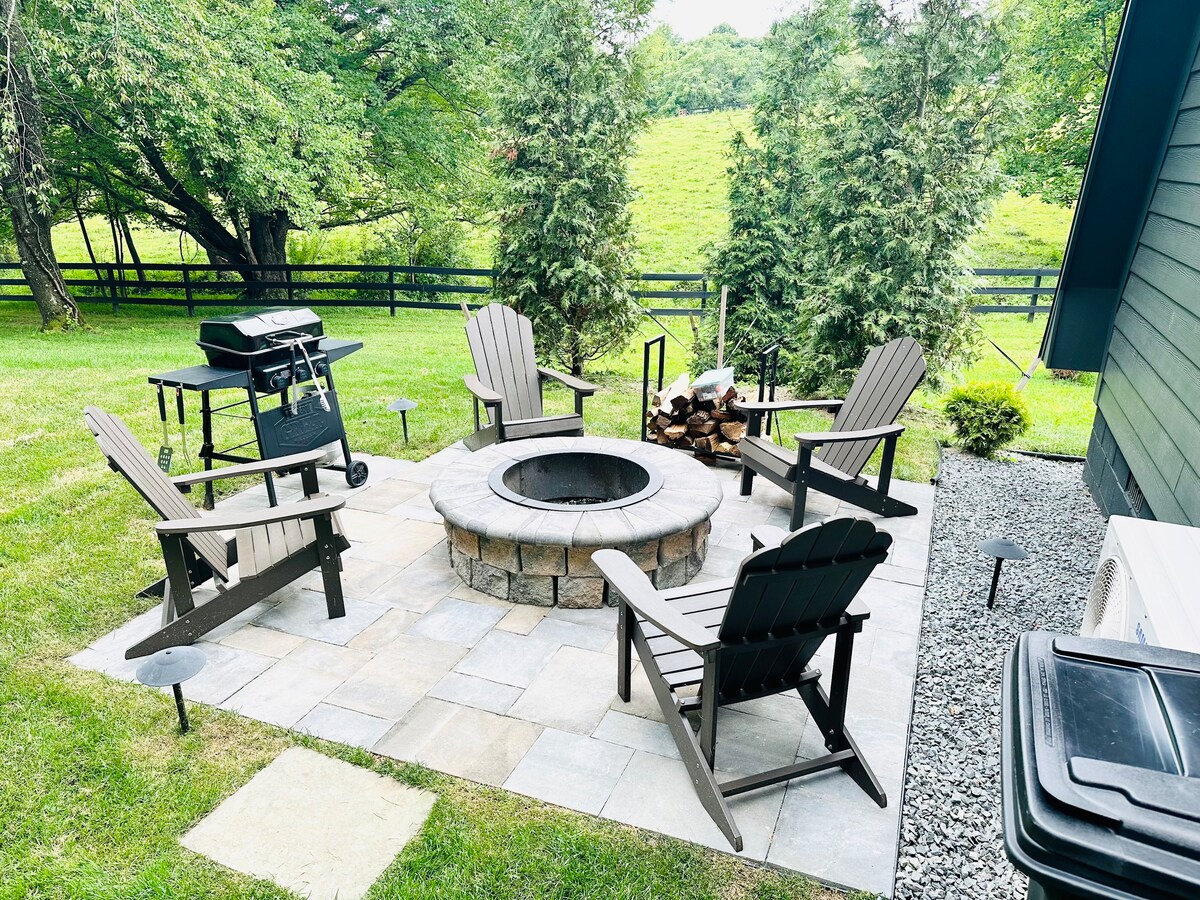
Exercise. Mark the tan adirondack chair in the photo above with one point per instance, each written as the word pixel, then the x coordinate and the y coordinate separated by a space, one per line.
pixel 508 381
pixel 270 548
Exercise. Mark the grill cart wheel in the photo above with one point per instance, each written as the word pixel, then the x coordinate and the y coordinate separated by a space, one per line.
pixel 356 474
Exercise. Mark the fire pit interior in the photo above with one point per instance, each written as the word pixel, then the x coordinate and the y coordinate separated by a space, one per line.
pixel 570 479
pixel 523 518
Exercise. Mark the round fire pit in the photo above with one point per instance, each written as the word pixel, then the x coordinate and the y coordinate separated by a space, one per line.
pixel 523 518
pixel 573 479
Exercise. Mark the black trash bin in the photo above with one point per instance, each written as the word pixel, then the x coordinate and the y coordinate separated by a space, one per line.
pixel 1101 768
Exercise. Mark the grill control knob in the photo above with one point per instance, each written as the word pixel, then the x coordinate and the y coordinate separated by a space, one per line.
pixel 281 379
pixel 320 368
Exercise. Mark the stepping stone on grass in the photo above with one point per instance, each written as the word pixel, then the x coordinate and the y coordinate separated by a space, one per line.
pixel 314 825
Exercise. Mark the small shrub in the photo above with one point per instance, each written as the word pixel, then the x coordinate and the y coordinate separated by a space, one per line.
pixel 986 415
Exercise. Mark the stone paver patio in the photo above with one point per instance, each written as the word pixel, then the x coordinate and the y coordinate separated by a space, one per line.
pixel 425 669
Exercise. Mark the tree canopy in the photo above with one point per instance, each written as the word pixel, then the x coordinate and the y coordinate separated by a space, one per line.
pixel 718 71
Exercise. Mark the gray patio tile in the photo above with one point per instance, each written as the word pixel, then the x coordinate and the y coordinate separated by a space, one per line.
pixel 742 514
pixel 783 708
pixel 569 770
pixel 307 616
pixel 722 562
pixel 893 605
pixel 336 660
pixel 908 553
pixel 888 572
pixel 397 677
pixel 266 641
pixel 465 592
pixel 642 702
pixel 508 658
pixel 333 723
pixel 747 745
pixel 571 693
pixel 569 633
pixel 457 622
pixel 522 618
pixel 467 690
pixel 283 694
pixel 225 671
pixel 359 525
pixel 383 630
pixel 385 495
pixel 605 617
pixel 268 829
pixel 420 585
pixel 470 743
pixel 402 543
pixel 893 650
pixel 637 733
pixel 830 829
pixel 360 578
pixel 883 744
pixel 656 793
pixel 415 513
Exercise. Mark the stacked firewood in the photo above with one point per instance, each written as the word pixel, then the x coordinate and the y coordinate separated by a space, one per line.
pixel 677 418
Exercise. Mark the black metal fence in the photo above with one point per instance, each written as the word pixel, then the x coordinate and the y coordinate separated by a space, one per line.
pixel 410 287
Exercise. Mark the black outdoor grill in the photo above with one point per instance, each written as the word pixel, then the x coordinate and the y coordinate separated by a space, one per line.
pixel 270 353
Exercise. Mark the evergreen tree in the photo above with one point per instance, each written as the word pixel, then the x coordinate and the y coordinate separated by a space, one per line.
pixel 852 211
pixel 568 116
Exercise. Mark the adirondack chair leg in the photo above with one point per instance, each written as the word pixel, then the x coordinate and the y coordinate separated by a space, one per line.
pixel 885 464
pixel 625 625
pixel 699 769
pixel 308 480
pixel 708 711
pixel 179 584
pixel 800 488
pixel 330 574
pixel 168 608
pixel 753 429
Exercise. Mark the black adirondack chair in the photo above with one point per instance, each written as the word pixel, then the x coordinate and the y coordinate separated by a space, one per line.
pixel 832 461
pixel 508 381
pixel 270 548
pixel 748 637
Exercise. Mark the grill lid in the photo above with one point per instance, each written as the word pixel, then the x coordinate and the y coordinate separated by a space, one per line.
pixel 226 340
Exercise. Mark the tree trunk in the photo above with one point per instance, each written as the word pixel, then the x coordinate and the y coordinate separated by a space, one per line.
pixel 266 234
pixel 25 182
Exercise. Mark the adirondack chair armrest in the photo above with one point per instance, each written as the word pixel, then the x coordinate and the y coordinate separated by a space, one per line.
pixel 767 536
pixel 636 590
pixel 303 509
pixel 753 407
pixel 857 611
pixel 817 438
pixel 578 385
pixel 482 392
pixel 285 464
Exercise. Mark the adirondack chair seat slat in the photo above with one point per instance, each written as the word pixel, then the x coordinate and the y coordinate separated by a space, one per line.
pixel 264 552
pixel 866 418
pixel 508 382
pixel 768 622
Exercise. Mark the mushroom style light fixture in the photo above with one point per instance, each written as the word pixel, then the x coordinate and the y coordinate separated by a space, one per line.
pixel 1001 549
pixel 173 666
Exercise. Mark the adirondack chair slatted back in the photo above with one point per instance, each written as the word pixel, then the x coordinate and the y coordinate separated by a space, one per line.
pixel 501 344
pixel 126 455
pixel 807 581
pixel 888 377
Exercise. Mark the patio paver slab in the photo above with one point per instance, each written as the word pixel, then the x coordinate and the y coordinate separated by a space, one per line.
pixel 314 825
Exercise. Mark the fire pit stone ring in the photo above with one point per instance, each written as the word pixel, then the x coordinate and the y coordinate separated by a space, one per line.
pixel 524 517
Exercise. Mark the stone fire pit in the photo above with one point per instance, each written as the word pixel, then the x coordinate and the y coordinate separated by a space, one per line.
pixel 524 517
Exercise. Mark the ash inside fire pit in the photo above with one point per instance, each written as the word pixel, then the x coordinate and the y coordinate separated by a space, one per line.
pixel 566 479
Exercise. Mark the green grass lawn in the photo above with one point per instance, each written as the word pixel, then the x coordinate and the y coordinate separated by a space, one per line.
pixel 97 787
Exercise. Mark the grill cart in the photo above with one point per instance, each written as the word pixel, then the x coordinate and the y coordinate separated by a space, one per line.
pixel 265 354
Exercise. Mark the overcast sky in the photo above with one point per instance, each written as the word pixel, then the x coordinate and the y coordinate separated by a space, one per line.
pixel 694 18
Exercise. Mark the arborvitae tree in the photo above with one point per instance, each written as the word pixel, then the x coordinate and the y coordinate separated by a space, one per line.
pixel 876 173
pixel 568 115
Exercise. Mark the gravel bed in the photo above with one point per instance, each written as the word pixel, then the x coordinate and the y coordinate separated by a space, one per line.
pixel 950 840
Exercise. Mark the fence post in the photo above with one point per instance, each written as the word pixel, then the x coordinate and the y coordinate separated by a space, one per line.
pixel 112 287
pixel 392 290
pixel 291 292
pixel 1037 283
pixel 187 290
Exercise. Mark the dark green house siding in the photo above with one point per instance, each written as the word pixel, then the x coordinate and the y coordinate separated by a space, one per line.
pixel 1147 435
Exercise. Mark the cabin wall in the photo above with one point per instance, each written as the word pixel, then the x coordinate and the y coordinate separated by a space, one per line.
pixel 1146 438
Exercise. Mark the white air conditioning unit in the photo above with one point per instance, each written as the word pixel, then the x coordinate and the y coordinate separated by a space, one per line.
pixel 1147 588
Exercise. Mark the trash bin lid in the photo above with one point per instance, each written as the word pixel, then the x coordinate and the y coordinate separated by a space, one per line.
pixel 1102 765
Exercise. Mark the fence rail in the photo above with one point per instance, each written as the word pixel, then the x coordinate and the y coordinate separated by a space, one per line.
pixel 398 287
